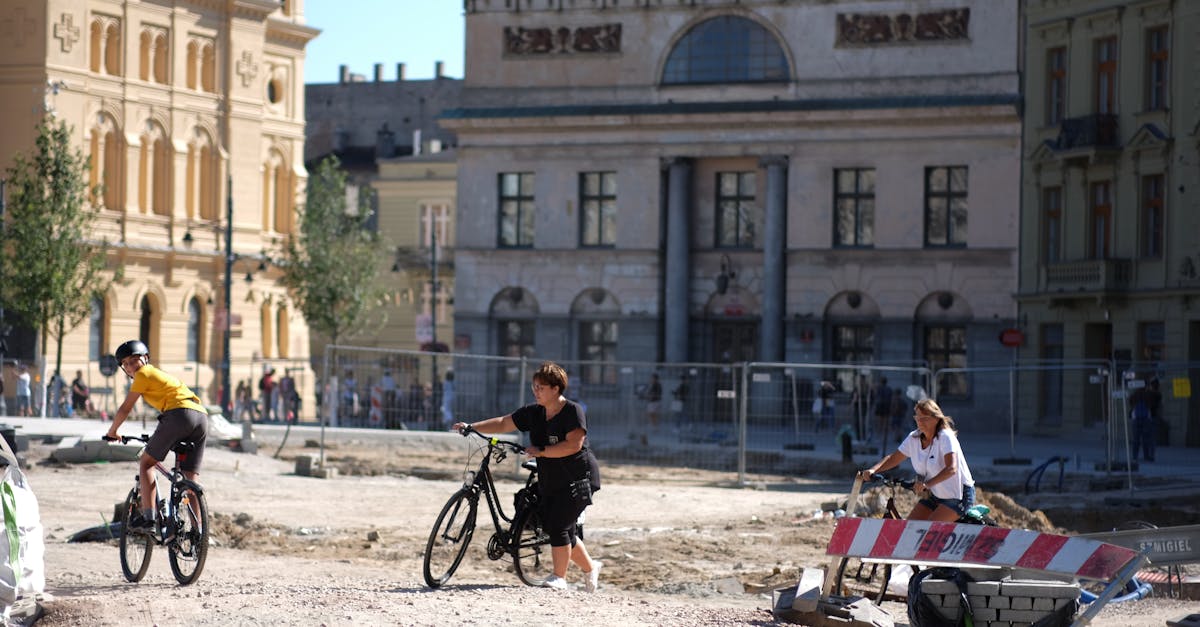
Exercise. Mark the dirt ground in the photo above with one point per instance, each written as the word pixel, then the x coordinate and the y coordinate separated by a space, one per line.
pixel 679 547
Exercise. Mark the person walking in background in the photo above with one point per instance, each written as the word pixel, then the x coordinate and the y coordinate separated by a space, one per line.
pixel 448 399
pixel 568 473
pixel 882 408
pixel 1145 403
pixel 823 405
pixel 286 391
pixel 24 391
pixel 679 401
pixel 653 397
pixel 266 387
pixel 79 395
pixel 944 483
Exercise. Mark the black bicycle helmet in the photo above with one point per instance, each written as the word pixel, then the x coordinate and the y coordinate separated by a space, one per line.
pixel 132 347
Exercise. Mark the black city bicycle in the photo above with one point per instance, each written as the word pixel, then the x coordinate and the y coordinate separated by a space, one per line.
pixel 873 576
pixel 182 525
pixel 523 538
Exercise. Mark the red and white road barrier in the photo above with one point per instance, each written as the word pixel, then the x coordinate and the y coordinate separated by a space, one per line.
pixel 959 544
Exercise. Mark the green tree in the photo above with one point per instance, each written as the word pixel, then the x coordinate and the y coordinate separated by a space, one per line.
pixel 51 270
pixel 331 266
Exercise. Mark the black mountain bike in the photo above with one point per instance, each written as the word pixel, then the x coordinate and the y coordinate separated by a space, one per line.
pixel 872 576
pixel 520 536
pixel 182 525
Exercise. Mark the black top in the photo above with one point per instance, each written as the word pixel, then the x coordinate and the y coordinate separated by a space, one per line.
pixel 555 473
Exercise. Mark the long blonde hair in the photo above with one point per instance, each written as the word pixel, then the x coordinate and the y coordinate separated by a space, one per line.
pixel 930 406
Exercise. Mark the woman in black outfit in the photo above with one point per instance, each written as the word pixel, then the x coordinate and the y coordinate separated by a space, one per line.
pixel 567 469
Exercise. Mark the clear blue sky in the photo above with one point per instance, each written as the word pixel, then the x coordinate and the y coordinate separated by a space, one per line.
pixel 361 33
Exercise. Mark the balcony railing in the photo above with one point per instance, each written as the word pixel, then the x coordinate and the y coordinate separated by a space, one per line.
pixel 1090 131
pixel 1089 275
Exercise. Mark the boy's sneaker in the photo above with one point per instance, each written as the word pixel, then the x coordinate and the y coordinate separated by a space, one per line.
pixel 140 524
pixel 556 582
pixel 593 578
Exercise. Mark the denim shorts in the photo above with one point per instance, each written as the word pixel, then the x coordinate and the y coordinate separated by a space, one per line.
pixel 959 505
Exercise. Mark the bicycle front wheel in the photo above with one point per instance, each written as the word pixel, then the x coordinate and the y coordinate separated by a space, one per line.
pixel 187 549
pixel 136 548
pixel 857 576
pixel 450 538
pixel 531 548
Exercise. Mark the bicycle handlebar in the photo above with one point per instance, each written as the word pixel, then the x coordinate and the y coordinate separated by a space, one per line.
pixel 126 438
pixel 492 440
pixel 907 484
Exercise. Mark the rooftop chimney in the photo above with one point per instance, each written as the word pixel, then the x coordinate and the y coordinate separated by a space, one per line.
pixel 437 69
pixel 343 74
pixel 399 71
pixel 378 72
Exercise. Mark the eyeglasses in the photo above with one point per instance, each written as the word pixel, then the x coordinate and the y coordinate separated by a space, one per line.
pixel 920 416
pixel 537 387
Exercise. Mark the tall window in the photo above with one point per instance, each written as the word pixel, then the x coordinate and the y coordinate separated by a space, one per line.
pixel 854 202
pixel 1056 85
pixel 946 206
pixel 1158 81
pixel 96 326
pixel 598 209
pixel 515 340
pixel 516 210
pixel 738 216
pixel 726 49
pixel 1051 389
pixel 1106 75
pixel 1052 224
pixel 598 342
pixel 852 344
pixel 282 333
pixel 267 340
pixel 1101 220
pixel 1152 215
pixel 193 330
pixel 435 221
pixel 946 347
pixel 1152 341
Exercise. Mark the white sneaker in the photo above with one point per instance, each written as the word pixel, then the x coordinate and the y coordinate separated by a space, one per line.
pixel 593 578
pixel 556 582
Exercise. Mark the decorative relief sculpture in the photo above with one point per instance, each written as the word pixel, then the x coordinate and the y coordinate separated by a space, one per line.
pixel 562 40
pixel 855 29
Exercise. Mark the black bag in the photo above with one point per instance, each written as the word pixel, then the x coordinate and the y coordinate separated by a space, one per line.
pixel 581 491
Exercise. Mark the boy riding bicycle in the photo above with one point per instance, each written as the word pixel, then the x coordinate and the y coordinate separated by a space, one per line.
pixel 182 418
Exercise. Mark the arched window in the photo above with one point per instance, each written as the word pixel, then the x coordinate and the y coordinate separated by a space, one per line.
pixel 726 49
pixel 97 46
pixel 208 68
pixel 268 336
pixel 107 154
pixel 162 54
pixel 146 324
pixel 154 172
pixel 145 55
pixel 193 330
pixel 595 313
pixel 201 177
pixel 193 64
pixel 277 194
pixel 112 50
pixel 96 328
pixel 281 332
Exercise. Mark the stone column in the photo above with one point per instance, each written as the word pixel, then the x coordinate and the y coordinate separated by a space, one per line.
pixel 774 259
pixel 675 301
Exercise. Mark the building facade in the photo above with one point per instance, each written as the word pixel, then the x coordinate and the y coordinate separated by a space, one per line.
pixel 726 181
pixel 1110 268
pixel 174 102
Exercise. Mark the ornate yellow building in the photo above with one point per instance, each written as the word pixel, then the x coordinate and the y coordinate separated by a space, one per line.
pixel 181 107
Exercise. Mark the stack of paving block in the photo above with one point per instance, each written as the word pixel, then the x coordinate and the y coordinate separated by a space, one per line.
pixel 1004 603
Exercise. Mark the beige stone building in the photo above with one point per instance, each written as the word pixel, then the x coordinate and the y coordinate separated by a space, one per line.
pixel 1110 264
pixel 742 180
pixel 172 101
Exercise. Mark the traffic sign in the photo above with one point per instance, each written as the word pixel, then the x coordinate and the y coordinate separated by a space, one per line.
pixel 1012 337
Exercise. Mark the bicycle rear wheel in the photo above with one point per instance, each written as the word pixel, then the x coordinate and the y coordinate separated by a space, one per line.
pixel 188 548
pixel 136 548
pixel 450 537
pixel 855 576
pixel 531 548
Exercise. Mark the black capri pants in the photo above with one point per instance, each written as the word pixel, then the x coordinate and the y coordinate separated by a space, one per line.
pixel 560 510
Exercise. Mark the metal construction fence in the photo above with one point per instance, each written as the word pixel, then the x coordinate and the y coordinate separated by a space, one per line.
pixel 743 417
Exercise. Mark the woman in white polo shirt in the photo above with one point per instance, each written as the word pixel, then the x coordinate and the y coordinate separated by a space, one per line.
pixel 944 481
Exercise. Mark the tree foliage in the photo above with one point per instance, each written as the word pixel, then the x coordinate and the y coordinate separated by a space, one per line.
pixel 331 266
pixel 51 270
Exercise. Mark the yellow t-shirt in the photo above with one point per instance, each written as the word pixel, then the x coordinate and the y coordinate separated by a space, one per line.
pixel 163 391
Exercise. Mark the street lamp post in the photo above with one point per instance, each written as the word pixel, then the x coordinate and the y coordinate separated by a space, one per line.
pixel 226 394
